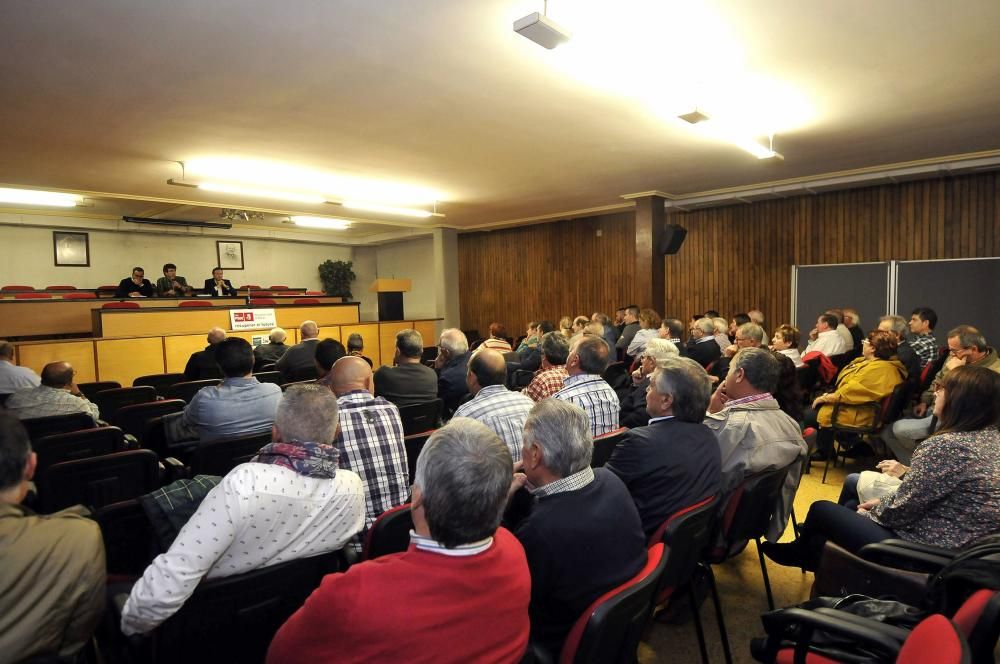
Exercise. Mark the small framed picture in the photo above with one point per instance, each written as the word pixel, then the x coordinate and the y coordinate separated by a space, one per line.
pixel 230 254
pixel 71 249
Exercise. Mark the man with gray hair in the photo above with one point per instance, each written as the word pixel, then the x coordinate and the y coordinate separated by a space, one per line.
pixel 452 363
pixel 552 375
pixel 462 587
pixel 409 381
pixel 583 535
pixel 852 321
pixel 492 403
pixel 202 365
pixel 272 351
pixel 674 461
pixel 13 377
pixel 748 335
pixel 754 434
pixel 290 501
pixel 299 361
pixel 701 342
pixel 897 325
pixel 588 358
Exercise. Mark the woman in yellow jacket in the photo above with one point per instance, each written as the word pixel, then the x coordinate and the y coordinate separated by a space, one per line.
pixel 871 377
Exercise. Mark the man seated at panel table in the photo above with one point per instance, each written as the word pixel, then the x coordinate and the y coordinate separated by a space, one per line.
pixel 13 377
pixel 239 406
pixel 219 287
pixel 290 501
pixel 202 365
pixel 170 285
pixel 56 395
pixel 135 286
pixel 299 361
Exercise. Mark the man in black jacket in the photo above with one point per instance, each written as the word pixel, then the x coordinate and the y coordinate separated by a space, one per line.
pixel 219 287
pixel 201 365
pixel 705 348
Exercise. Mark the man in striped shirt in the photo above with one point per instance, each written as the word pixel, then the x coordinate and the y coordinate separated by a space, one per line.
pixel 493 404
pixel 552 375
pixel 584 386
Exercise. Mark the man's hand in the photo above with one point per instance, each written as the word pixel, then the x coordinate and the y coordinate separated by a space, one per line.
pixel 920 409
pixel 441 359
pixel 953 362
pixel 822 399
pixel 730 350
pixel 866 506
pixel 518 481
pixel 892 468
pixel 719 399
pixel 135 294
pixel 813 334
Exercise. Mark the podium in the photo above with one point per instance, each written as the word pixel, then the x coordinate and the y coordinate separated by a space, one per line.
pixel 390 297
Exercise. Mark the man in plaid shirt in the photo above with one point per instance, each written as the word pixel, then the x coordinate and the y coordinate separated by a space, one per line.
pixel 549 379
pixel 922 322
pixel 370 440
pixel 493 404
pixel 585 387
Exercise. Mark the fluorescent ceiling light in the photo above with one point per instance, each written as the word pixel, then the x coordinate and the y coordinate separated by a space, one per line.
pixel 387 209
pixel 35 197
pixel 542 30
pixel 704 123
pixel 321 222
pixel 261 193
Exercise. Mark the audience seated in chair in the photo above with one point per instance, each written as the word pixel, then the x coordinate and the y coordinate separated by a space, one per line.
pixel 702 347
pixel 327 352
pixel 674 461
pixel 824 337
pixel 786 342
pixel 13 377
pixel 649 326
pixel 459 593
pixel 608 331
pixel 671 330
pixel 583 535
pixel 56 395
pixel 633 405
pixel 551 374
pixel 500 409
pixel 298 362
pixel 923 320
pixel 747 335
pixel 238 406
pixel 498 338
pixel 408 381
pixel 904 351
pixel 452 364
pixel 529 352
pixel 370 440
pixel 202 364
pixel 630 327
pixel 949 496
pixel 272 351
pixel 51 566
pixel 291 501
pixel 356 347
pixel 588 357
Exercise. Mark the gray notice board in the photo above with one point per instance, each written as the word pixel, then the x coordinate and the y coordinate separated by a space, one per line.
pixel 960 291
pixel 860 286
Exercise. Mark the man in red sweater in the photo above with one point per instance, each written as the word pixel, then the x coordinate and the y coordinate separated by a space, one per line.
pixel 459 593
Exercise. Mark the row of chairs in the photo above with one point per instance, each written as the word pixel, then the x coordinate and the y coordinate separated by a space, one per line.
pixel 22 289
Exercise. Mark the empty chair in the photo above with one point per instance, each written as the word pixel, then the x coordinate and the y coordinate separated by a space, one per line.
pixel 250 287
pixel 77 445
pixel 17 288
pixel 80 296
pixel 159 382
pixel 262 301
pixel 194 303
pixel 33 296
pixel 120 305
pixel 90 390
pixel 132 419
pixel 389 534
pixel 277 288
pixel 604 446
pixel 220 456
pixel 98 481
pixel 129 542
pixel 110 401
pixel 60 288
pixel 419 417
pixel 269 377
pixel 305 300
pixel 611 627
pixel 414 444
pixel 187 389
pixel 39 427
pixel 314 292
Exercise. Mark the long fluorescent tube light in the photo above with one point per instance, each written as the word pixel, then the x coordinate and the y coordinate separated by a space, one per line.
pixel 261 193
pixel 702 119
pixel 387 209
pixel 35 197
pixel 175 222
pixel 321 222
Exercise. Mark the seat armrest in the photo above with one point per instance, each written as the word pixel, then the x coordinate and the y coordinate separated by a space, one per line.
pixel 904 558
pixel 174 470
pixel 898 633
pixel 925 548
pixel 777 625
pixel 131 442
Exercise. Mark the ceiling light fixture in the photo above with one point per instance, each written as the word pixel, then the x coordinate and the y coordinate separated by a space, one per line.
pixel 700 118
pixel 542 30
pixel 36 197
pixel 388 209
pixel 261 193
pixel 321 222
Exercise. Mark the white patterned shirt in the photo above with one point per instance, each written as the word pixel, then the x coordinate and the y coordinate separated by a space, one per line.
pixel 259 515
pixel 502 411
pixel 577 480
pixel 595 396
pixel 43 401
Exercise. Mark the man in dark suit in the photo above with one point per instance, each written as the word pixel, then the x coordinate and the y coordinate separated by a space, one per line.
pixel 219 287
pixel 202 365
pixel 705 348
pixel 135 286
pixel 674 462
pixel 299 361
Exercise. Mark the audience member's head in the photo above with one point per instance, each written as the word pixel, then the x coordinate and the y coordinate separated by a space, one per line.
pixel 968 399
pixel 786 336
pixel 566 326
pixel 453 343
pixel 595 329
pixel 557 441
pixel 58 375
pixel 216 335
pixel 826 322
pixel 852 318
pixel 588 355
pixel 649 319
pixel 619 316
pixel 895 324
pixel 967 343
pixel 349 374
pixel 752 371
pixel 756 316
pixel 836 313
pixel 17 461
pixel 409 345
pixel 711 313
pixel 544 327
pixel 738 319
pixel 600 318
pixel 659 350
pixel 309 330
pixel 356 343
pixel 306 414
pixel 923 320
pixel 235 357
pixel 679 387
pixel 671 328
pixel 631 314
pixel 532 328
pixel 787 392
pixel 579 323
pixel 554 348
pixel 720 326
pixel 460 485
pixel 880 344
pixel 6 351
pixel 277 336
pixel 328 351
pixel 749 335
pixel 703 327
pixel 498 330
pixel 486 368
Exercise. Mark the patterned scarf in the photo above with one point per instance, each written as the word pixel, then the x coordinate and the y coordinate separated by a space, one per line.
pixel 309 459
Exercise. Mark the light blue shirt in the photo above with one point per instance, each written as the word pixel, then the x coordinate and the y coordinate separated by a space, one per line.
pixel 236 407
pixel 13 377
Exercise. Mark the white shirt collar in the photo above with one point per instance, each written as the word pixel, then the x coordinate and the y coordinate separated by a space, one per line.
pixel 433 546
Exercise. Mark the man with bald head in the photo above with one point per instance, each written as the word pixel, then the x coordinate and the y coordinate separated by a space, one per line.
pixel 299 361
pixel 57 395
pixel 493 404
pixel 370 439
pixel 202 364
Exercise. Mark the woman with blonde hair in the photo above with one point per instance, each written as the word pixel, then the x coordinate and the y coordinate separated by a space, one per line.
pixel 566 326
pixel 649 322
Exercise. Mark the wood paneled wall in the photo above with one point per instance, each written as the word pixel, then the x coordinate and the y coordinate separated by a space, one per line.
pixel 735 257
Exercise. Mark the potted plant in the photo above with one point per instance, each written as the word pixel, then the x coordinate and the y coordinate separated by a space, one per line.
pixel 337 277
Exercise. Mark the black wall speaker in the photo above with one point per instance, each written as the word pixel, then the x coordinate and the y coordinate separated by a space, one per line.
pixel 673 238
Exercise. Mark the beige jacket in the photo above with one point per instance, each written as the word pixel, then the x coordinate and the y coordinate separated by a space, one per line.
pixel 755 437
pixel 52 581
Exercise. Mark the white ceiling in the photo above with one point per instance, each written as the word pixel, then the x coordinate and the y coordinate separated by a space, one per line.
pixel 107 95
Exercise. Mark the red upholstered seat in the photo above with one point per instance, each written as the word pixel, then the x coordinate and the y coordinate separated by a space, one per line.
pixel 314 292
pixel 250 287
pixel 80 296
pixel 277 287
pixel 60 288
pixel 17 288
pixel 194 303
pixel 107 288
pixel 32 296
pixel 262 301
pixel 120 305
pixel 305 300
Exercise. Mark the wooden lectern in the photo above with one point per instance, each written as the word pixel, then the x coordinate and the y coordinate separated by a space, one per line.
pixel 390 297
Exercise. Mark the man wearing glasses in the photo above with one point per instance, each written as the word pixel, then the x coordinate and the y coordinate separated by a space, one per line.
pixel 748 335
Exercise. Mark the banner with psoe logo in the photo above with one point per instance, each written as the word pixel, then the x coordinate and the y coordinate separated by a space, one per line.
pixel 251 319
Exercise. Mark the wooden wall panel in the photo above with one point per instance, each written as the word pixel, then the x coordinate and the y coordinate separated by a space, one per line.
pixel 125 360
pixel 78 353
pixel 735 257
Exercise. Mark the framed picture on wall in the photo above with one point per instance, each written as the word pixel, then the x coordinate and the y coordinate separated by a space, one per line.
pixel 71 249
pixel 230 254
